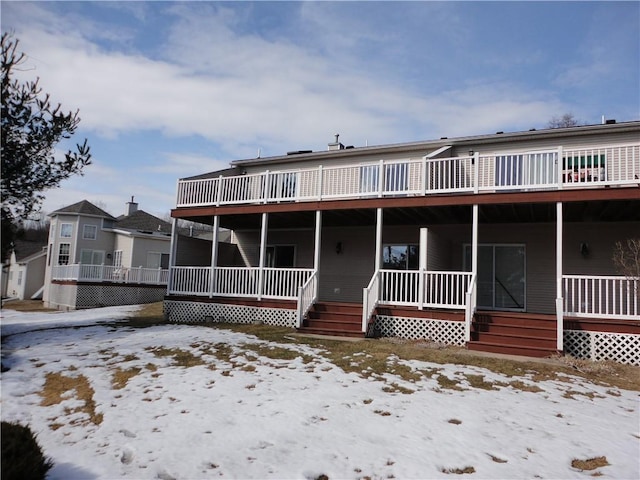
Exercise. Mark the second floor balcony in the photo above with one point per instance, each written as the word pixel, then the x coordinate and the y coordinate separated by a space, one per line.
pixel 559 168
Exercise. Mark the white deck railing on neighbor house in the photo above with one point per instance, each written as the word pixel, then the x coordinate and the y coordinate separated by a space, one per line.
pixel 108 273
pixel 540 170
pixel 278 283
pixel 610 297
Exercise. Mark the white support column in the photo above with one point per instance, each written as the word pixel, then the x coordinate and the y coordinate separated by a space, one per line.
pixel 474 273
pixel 424 235
pixel 378 239
pixel 559 293
pixel 214 255
pixel 172 253
pixel 316 254
pixel 263 252
pixel 318 238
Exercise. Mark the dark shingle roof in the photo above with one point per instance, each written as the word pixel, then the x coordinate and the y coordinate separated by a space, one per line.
pixel 141 220
pixel 83 207
pixel 27 248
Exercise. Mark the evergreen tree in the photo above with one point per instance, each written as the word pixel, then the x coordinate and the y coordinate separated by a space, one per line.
pixel 31 128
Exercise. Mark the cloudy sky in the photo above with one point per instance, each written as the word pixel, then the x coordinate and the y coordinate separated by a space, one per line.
pixel 168 90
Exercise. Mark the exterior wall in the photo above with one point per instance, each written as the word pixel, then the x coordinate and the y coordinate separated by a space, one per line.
pixel 104 240
pixel 343 276
pixel 193 252
pixel 141 246
pixel 124 243
pixel 16 276
pixel 73 296
pixel 248 244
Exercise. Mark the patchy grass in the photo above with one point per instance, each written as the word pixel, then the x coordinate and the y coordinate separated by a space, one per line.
pixel 120 377
pixel 56 388
pixel 181 358
pixel 454 421
pixel 459 471
pixel 496 459
pixel 26 306
pixel 276 353
pixel 590 463
pixel 379 351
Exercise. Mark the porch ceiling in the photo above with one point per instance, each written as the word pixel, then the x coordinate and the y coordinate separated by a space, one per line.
pixel 595 211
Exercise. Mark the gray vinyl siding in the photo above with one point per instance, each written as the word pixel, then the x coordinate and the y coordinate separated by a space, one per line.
pixel 343 276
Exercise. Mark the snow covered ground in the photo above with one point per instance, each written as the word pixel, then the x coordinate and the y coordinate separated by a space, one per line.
pixel 189 402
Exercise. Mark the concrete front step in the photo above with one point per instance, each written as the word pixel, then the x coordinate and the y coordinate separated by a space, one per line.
pixel 527 351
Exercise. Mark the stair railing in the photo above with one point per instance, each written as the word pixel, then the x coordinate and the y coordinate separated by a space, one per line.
pixel 370 299
pixel 470 307
pixel 307 295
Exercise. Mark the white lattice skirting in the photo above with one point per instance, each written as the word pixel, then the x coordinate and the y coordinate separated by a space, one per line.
pixel 619 347
pixel 91 296
pixel 195 312
pixel 440 331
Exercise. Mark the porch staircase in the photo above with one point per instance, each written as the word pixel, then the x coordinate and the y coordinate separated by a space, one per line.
pixel 514 333
pixel 334 319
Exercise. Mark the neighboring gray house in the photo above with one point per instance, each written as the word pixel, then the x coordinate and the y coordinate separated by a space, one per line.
pixel 498 242
pixel 25 270
pixel 95 259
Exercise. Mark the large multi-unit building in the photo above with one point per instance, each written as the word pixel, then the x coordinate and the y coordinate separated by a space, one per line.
pixel 500 242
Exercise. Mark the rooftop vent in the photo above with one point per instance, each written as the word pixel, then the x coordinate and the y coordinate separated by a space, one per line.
pixel 610 122
pixel 336 145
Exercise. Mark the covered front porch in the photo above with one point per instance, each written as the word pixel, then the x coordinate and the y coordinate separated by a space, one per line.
pixel 344 256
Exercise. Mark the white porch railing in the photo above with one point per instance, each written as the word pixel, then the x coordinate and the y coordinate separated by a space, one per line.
pixel 610 297
pixel 517 171
pixel 370 298
pixel 108 273
pixel 307 295
pixel 440 289
pixel 469 311
pixel 279 283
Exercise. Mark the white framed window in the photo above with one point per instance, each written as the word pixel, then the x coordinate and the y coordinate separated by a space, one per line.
pixel 117 258
pixel 400 257
pixel 20 277
pixel 92 257
pixel 89 232
pixel 66 230
pixel 63 253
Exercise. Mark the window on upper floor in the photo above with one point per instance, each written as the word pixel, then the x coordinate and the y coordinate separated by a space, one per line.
pixel 89 232
pixel 64 253
pixel 66 230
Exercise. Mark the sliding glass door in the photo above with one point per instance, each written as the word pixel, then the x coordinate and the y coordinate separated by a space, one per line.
pixel 501 276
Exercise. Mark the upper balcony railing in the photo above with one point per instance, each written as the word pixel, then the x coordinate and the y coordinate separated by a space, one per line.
pixel 519 171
